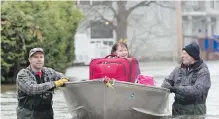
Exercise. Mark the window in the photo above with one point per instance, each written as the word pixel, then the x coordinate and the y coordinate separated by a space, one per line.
pixel 84 2
pixel 101 30
pixel 94 2
pixel 103 2
pixel 109 43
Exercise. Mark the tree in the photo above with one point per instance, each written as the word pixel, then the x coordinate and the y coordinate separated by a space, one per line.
pixel 119 21
pixel 50 25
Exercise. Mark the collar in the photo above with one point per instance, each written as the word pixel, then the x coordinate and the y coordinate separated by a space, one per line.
pixel 193 66
pixel 35 73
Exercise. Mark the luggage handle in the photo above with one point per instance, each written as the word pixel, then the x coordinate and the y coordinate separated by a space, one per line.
pixel 112 56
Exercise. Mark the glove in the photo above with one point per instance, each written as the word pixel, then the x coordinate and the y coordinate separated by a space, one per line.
pixel 61 82
pixel 172 89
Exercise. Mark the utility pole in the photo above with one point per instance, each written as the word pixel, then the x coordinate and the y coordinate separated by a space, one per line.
pixel 180 40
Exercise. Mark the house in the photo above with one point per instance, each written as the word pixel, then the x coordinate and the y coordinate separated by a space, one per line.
pixel 151 31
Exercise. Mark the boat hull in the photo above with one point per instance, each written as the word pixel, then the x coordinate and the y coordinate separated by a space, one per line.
pixel 94 100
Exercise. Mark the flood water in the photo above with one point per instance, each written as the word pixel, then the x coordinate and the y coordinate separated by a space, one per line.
pixel 159 70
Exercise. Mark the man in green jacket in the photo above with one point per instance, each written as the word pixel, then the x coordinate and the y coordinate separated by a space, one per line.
pixel 35 87
pixel 190 82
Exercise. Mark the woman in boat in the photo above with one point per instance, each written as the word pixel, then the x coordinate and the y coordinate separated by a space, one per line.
pixel 121 49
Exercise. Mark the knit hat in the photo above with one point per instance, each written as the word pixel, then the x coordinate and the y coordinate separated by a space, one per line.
pixel 193 50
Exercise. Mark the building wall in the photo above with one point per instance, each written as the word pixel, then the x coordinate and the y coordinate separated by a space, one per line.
pixel 152 30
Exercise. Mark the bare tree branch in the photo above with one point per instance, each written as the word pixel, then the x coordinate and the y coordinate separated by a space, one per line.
pixel 165 6
pixel 142 3
pixel 106 20
pixel 115 16
pixel 114 11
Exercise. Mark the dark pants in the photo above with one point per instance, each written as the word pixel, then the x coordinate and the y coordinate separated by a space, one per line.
pixel 191 109
pixel 23 113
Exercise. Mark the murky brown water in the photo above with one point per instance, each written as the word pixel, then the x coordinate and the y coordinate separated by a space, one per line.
pixel 159 70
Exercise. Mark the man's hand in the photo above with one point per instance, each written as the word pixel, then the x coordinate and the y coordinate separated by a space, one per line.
pixel 61 82
pixel 172 89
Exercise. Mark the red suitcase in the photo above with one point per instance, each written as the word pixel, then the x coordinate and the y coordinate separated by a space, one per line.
pixel 122 69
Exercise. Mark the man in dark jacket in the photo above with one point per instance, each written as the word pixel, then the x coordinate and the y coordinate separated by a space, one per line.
pixel 35 86
pixel 190 82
